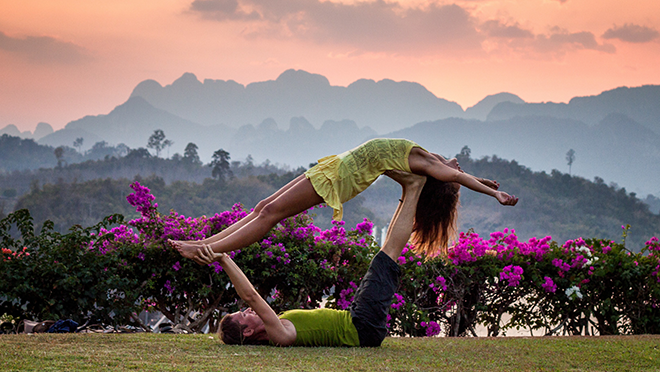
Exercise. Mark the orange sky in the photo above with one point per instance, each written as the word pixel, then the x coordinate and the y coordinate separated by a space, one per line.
pixel 61 60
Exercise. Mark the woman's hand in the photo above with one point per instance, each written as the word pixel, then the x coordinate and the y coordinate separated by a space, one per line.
pixel 207 256
pixel 492 184
pixel 506 199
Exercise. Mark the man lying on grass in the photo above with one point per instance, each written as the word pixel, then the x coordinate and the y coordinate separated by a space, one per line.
pixel 363 325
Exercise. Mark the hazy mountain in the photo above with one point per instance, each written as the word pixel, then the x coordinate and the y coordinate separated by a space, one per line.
pixel 384 106
pixel 614 134
pixel 133 122
pixel 481 110
pixel 617 149
pixel 42 129
pixel 642 104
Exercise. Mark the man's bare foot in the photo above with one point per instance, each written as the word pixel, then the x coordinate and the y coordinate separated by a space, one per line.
pixel 188 249
pixel 406 179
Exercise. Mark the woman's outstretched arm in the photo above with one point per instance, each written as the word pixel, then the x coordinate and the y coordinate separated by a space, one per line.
pixel 277 332
pixel 424 163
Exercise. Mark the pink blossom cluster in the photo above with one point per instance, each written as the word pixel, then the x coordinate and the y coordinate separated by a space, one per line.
pixel 141 198
pixel 336 235
pixel 122 235
pixel 512 274
pixel 432 328
pixel 398 301
pixel 549 285
pixel 502 244
pixel 365 227
pixel 440 284
pixel 346 296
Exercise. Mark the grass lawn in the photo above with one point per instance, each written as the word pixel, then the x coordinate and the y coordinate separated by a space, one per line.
pixel 155 352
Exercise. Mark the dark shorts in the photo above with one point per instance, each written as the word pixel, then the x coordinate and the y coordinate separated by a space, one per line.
pixel 373 298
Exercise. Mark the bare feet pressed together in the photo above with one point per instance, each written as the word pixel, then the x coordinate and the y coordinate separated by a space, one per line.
pixel 187 249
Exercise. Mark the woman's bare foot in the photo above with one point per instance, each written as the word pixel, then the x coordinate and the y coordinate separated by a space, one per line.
pixel 188 249
pixel 406 179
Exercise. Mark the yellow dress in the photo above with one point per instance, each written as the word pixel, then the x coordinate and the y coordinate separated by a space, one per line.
pixel 339 178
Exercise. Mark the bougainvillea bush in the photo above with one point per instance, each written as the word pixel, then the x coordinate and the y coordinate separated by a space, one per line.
pixel 112 271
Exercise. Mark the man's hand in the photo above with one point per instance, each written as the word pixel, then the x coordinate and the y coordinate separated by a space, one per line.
pixel 207 256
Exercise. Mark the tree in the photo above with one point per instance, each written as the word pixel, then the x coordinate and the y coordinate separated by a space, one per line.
pixel 570 158
pixel 190 154
pixel 78 144
pixel 465 151
pixel 158 142
pixel 59 155
pixel 220 165
pixel 464 155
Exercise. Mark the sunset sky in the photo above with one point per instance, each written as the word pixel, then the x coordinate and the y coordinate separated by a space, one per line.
pixel 62 60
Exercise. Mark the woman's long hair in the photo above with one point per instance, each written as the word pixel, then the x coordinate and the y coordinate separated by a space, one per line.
pixel 231 333
pixel 435 218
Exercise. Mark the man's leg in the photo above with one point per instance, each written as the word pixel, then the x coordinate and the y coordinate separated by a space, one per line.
pixel 374 295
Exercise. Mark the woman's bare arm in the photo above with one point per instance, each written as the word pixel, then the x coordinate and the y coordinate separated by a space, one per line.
pixel 424 163
pixel 277 332
pixel 453 163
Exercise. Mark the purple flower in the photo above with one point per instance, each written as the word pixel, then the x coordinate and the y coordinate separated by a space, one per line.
pixel 168 285
pixel 365 227
pixel 216 266
pixel 512 274
pixel 399 301
pixel 176 266
pixel 432 328
pixel 549 285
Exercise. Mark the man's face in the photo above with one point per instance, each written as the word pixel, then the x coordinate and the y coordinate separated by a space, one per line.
pixel 248 318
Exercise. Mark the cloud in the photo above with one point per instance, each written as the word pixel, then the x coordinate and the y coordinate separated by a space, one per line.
pixel 631 33
pixel 562 39
pixel 495 28
pixel 376 26
pixel 380 26
pixel 43 49
pixel 222 10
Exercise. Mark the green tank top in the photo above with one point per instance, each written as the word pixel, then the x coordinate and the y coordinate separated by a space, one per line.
pixel 323 327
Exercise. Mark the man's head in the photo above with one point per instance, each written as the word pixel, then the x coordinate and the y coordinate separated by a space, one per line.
pixel 243 328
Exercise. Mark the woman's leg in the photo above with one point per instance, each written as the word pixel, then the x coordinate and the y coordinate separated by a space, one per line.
pixel 298 198
pixel 401 225
pixel 229 230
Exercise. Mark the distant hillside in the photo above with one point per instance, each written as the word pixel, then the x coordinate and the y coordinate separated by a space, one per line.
pixel 300 117
pixel 134 121
pixel 641 104
pixel 556 204
pixel 384 106
pixel 42 129
pixel 617 149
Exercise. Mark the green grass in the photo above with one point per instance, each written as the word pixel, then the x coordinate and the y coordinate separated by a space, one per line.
pixel 155 352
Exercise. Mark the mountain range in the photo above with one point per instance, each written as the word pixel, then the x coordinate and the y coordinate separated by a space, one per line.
pixel 615 135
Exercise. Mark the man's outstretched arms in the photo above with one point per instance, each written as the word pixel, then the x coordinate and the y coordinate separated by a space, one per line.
pixel 282 334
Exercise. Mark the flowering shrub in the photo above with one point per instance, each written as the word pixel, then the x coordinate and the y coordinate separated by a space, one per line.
pixel 115 269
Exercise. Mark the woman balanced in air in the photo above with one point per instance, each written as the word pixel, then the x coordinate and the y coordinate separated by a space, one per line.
pixel 338 178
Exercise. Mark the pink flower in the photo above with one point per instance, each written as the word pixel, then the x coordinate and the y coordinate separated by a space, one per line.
pixel 549 285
